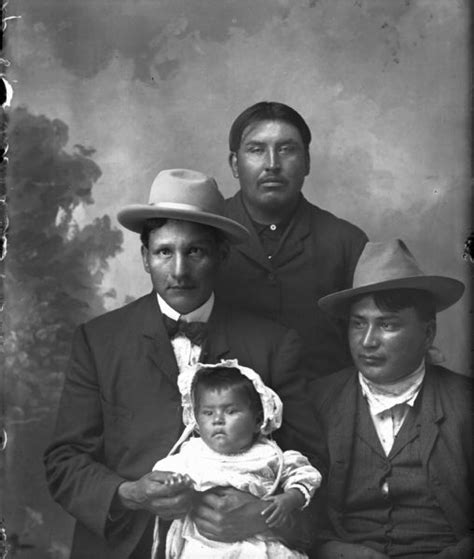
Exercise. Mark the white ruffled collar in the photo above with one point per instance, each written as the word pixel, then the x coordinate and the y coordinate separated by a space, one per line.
pixel 382 397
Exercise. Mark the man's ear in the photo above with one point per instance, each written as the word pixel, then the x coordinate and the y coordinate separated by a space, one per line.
pixel 233 164
pixel 430 333
pixel 146 265
pixel 308 163
pixel 224 250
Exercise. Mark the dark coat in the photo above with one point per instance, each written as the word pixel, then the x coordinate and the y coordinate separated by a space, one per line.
pixel 445 438
pixel 317 256
pixel 120 409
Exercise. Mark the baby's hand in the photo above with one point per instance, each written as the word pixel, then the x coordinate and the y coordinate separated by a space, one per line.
pixel 281 506
pixel 179 481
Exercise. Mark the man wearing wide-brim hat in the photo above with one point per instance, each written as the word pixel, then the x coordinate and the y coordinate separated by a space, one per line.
pixel 398 427
pixel 120 410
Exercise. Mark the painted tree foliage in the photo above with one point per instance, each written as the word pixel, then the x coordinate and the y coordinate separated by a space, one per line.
pixel 54 267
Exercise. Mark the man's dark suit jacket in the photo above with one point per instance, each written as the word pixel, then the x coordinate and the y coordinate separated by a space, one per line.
pixel 120 410
pixel 445 436
pixel 317 256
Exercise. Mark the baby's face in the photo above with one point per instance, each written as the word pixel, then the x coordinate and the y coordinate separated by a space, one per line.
pixel 226 422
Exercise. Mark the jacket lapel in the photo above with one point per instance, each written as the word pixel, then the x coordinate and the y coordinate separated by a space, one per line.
pixel 157 343
pixel 292 242
pixel 216 346
pixel 430 416
pixel 253 247
pixel 341 435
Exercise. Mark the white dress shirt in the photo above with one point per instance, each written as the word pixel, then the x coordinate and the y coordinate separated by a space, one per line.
pixel 389 403
pixel 186 353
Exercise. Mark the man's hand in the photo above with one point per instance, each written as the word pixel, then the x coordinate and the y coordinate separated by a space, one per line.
pixel 341 550
pixel 161 493
pixel 228 515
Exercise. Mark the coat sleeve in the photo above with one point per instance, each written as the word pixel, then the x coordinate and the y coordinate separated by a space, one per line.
pixel 462 550
pixel 353 250
pixel 299 431
pixel 74 461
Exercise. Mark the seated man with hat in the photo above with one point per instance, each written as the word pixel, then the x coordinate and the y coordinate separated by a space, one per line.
pixel 120 410
pixel 398 428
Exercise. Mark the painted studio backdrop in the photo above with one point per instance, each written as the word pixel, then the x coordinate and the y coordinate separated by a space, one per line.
pixel 109 92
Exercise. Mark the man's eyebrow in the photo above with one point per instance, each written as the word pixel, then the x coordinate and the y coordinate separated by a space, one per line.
pixel 288 141
pixel 389 314
pixel 206 238
pixel 279 142
pixel 384 316
pixel 255 142
pixel 355 315
pixel 202 240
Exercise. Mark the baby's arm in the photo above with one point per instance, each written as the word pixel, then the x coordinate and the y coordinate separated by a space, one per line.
pixel 298 473
pixel 299 480
pixel 281 506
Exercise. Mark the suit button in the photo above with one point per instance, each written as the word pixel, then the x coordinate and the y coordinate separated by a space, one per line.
pixel 271 277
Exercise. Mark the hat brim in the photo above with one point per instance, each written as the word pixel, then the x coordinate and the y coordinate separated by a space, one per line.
pixel 134 216
pixel 446 292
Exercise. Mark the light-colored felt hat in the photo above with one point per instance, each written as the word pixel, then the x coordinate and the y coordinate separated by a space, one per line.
pixel 390 265
pixel 186 195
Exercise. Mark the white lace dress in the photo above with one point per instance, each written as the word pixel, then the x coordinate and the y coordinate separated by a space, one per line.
pixel 254 471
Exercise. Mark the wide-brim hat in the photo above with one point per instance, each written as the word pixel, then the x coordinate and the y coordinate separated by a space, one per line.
pixel 186 195
pixel 390 265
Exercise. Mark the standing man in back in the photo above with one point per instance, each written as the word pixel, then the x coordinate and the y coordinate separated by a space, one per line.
pixel 297 252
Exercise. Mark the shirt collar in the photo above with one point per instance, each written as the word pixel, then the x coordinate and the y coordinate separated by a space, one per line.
pixel 382 397
pixel 279 226
pixel 201 314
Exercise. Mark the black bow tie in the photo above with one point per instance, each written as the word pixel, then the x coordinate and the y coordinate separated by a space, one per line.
pixel 194 331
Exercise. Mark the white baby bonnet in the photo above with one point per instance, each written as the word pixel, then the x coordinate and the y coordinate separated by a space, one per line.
pixel 271 404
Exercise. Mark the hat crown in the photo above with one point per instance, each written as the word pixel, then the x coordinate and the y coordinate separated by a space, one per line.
pixel 385 261
pixel 185 195
pixel 390 265
pixel 186 187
